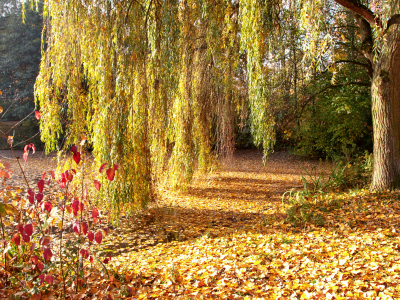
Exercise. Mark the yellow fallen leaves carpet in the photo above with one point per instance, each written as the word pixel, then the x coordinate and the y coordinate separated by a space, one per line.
pixel 226 238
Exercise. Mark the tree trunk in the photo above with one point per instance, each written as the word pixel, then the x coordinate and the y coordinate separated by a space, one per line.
pixel 386 114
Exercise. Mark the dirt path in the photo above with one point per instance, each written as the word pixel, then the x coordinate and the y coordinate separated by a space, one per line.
pixel 236 198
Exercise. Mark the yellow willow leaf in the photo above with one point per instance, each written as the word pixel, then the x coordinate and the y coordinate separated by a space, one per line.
pixel 1 109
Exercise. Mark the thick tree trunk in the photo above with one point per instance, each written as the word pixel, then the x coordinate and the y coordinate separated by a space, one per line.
pixel 386 114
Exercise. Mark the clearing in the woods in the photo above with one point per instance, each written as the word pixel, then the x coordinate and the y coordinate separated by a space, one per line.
pixel 227 237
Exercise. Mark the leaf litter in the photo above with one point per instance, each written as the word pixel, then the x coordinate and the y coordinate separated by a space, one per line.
pixel 227 237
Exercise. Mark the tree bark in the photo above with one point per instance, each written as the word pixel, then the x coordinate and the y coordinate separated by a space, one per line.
pixel 386 114
pixel 385 92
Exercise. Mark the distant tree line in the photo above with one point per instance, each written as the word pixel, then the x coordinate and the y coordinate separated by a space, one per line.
pixel 20 52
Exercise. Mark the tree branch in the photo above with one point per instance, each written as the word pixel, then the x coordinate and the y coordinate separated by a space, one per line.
pixel 313 96
pixel 395 19
pixel 362 10
pixel 365 65
pixel 352 62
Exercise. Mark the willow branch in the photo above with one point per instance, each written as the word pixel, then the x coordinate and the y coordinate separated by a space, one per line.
pixel 147 14
pixel 129 8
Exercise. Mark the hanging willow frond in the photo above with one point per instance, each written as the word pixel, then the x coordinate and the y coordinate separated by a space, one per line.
pixel 154 85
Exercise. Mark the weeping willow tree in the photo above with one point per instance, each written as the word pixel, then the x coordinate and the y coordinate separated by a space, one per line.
pixel 153 85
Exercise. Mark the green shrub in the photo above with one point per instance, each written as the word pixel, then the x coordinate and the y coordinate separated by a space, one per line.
pixel 310 204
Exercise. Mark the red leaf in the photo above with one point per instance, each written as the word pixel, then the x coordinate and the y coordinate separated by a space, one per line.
pixel 49 278
pixel 48 181
pixel 97 184
pixel 33 246
pixel 75 207
pixel 77 157
pixel 39 197
pixel 69 176
pixel 84 253
pixel 44 176
pixel 20 228
pixel 26 238
pixel 53 175
pixel 28 229
pixel 41 277
pixel 37 115
pixel 31 198
pixel 45 240
pixel 40 266
pixel 74 149
pixel 102 167
pixel 110 174
pixel 84 228
pixel 91 259
pixel 30 192
pixel 40 185
pixel 16 239
pixel 98 237
pixel 25 155
pixel 95 213
pixel 81 206
pixel 69 210
pixel 47 254
pixel 76 227
pixel 33 148
pixel 35 259
pixel 90 236
pixel 48 206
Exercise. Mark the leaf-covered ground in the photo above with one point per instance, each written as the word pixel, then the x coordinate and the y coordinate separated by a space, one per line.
pixel 226 238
